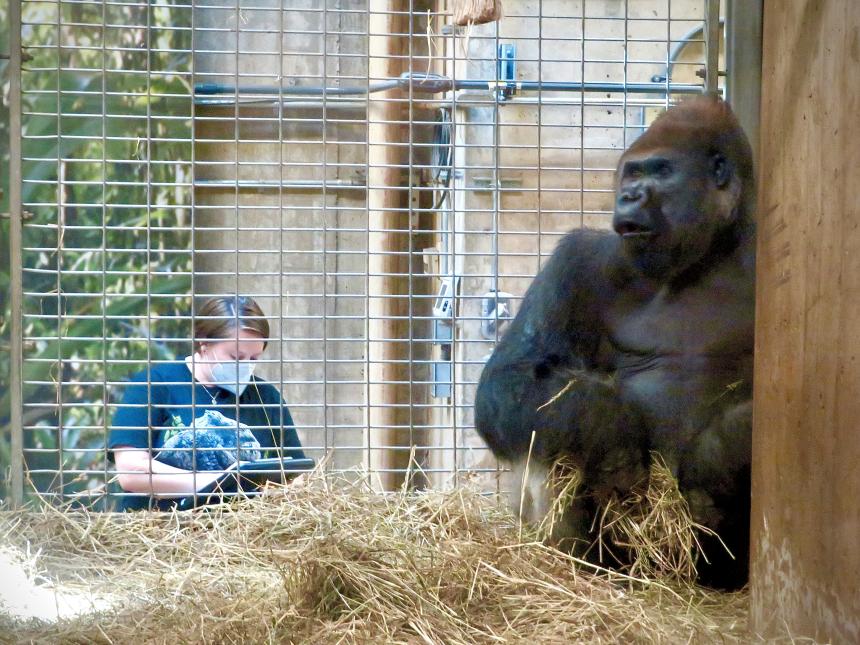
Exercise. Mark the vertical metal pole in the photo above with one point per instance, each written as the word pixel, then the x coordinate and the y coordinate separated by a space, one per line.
pixel 712 46
pixel 324 204
pixel 669 59
pixel 456 241
pixel 743 64
pixel 281 226
pixel 149 270
pixel 105 416
pixel 192 215
pixel 582 59
pixel 16 330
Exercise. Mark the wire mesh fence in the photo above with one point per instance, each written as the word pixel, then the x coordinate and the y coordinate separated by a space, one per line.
pixel 383 183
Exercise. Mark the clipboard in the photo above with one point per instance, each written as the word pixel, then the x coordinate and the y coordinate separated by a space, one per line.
pixel 248 476
pixel 276 469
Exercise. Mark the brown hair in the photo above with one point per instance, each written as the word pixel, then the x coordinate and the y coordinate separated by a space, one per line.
pixel 219 317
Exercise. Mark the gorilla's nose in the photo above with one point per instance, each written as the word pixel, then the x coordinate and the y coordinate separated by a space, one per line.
pixel 631 215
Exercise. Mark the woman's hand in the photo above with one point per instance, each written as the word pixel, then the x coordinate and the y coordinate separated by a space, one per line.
pixel 138 472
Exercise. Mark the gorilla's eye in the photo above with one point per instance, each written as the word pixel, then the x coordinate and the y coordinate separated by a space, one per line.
pixel 721 169
pixel 663 169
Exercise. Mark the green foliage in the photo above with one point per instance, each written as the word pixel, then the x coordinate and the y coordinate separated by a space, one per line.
pixel 106 241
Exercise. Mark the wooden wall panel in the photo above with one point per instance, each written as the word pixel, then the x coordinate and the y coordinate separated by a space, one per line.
pixel 806 448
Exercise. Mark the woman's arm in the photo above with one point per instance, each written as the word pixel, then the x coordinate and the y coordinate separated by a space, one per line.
pixel 138 472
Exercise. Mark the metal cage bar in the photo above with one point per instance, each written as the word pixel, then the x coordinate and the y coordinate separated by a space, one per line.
pixel 171 151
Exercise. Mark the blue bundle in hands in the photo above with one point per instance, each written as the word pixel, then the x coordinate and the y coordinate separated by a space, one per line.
pixel 210 443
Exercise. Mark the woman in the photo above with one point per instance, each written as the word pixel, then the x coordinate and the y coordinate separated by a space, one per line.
pixel 214 387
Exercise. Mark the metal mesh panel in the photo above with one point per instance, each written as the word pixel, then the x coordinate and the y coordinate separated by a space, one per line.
pixel 383 183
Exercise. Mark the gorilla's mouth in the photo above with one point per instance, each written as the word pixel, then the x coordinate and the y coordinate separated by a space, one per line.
pixel 633 231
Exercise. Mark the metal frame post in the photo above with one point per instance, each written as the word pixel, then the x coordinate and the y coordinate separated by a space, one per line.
pixel 16 339
pixel 743 64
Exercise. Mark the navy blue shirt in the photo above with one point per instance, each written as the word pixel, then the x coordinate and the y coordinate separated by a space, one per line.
pixel 162 400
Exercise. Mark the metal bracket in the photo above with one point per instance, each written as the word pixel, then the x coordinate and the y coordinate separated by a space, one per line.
pixel 506 71
pixel 25 57
pixel 453 30
pixel 489 183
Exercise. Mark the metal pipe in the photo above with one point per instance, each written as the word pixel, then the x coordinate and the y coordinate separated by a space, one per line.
pixel 293 104
pixel 16 266
pixel 564 86
pixel 678 47
pixel 435 84
pixel 481 96
pixel 294 90
pixel 274 184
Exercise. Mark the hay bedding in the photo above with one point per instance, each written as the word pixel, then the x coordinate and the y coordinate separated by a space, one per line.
pixel 335 562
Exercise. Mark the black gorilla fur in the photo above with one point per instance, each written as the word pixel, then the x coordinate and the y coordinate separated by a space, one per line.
pixel 649 332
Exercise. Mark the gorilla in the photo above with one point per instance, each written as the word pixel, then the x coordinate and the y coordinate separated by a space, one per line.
pixel 640 341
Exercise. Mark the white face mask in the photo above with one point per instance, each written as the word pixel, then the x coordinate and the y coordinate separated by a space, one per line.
pixel 233 376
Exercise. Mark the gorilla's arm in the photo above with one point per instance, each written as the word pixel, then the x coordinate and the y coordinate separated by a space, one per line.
pixel 559 319
pixel 546 375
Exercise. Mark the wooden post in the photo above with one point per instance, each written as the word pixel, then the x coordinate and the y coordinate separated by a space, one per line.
pixel 806 446
pixel 388 246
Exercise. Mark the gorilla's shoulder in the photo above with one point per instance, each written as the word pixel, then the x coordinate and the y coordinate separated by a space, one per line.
pixel 573 283
pixel 589 239
pixel 587 251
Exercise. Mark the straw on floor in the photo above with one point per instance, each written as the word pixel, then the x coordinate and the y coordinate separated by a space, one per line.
pixel 335 562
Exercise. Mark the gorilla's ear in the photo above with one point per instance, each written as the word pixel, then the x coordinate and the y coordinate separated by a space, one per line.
pixel 728 184
pixel 721 169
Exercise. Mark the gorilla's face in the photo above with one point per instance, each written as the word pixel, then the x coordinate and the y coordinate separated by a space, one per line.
pixel 670 204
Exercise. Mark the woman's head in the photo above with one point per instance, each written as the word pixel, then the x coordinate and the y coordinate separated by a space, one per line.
pixel 229 334
pixel 226 317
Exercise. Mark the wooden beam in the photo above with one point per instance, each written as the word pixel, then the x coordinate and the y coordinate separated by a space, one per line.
pixel 388 246
pixel 806 446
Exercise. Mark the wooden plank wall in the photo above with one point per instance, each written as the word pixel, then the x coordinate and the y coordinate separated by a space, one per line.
pixel 806 449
